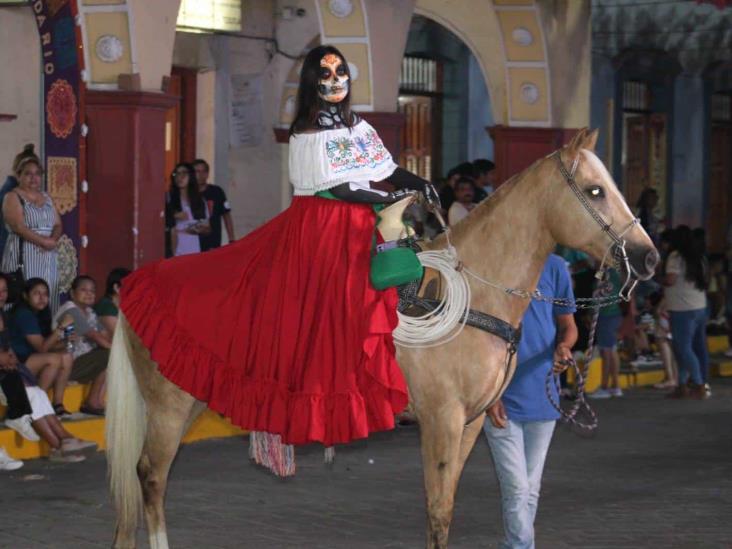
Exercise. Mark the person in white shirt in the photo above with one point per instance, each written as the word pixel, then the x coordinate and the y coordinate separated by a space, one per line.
pixel 686 282
pixel 464 192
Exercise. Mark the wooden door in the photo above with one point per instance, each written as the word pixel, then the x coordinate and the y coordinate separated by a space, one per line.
pixel 418 144
pixel 172 129
pixel 720 187
pixel 180 120
pixel 635 150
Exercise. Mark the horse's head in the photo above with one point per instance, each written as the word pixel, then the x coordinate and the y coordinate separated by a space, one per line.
pixel 591 215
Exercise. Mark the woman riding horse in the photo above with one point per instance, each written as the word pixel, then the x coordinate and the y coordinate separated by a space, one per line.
pixel 281 331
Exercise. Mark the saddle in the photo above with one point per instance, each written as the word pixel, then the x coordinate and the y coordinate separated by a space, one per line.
pixel 419 289
pixel 394 261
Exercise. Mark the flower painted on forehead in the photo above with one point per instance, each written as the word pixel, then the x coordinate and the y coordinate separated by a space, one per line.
pixel 333 82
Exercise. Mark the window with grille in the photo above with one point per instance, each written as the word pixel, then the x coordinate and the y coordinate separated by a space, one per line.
pixel 636 96
pixel 209 15
pixel 418 74
pixel 722 107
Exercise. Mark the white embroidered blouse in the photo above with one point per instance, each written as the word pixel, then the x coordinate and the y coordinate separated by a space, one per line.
pixel 324 159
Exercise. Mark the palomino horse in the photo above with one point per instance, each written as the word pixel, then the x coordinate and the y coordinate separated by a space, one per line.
pixel 505 240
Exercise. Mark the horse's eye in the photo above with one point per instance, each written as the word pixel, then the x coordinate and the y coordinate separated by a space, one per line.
pixel 596 192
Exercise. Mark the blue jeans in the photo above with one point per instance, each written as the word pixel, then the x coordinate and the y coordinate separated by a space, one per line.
pixel 519 451
pixel 689 340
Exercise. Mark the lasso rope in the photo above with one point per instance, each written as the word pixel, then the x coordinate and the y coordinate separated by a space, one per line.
pixel 448 319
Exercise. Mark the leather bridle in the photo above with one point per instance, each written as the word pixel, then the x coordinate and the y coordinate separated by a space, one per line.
pixel 617 248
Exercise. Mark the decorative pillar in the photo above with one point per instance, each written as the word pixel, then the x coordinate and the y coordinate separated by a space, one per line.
pixel 516 148
pixel 127 180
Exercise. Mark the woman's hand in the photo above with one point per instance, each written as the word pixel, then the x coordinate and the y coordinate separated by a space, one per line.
pixel 181 216
pixel 201 227
pixel 65 321
pixel 204 227
pixel 48 243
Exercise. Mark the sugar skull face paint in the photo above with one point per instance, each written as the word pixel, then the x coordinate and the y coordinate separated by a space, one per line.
pixel 333 82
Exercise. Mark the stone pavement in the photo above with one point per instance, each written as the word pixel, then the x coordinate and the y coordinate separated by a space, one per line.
pixel 657 474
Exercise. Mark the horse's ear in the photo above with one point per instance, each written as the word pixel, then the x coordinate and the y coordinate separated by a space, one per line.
pixel 590 140
pixel 575 144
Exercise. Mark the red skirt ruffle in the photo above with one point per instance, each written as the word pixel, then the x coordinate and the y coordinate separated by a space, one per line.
pixel 280 331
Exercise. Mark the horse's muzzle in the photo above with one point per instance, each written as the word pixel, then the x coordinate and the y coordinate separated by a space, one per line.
pixel 643 261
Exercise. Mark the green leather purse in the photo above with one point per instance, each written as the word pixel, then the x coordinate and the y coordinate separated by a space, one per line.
pixel 389 267
pixel 395 267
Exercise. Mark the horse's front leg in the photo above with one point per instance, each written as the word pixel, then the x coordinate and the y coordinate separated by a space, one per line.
pixel 442 461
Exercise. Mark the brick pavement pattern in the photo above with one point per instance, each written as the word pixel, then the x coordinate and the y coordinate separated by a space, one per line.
pixel 657 474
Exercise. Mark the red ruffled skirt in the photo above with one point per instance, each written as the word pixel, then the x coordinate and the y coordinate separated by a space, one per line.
pixel 280 331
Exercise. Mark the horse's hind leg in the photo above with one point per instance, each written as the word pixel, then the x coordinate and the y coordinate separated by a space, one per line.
pixel 442 461
pixel 168 418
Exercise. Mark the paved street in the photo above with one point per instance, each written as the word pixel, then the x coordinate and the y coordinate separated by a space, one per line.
pixel 658 474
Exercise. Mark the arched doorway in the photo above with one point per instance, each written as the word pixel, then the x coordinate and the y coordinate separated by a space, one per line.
pixel 445 101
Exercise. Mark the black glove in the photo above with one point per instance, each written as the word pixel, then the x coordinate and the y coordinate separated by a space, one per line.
pixel 346 192
pixel 403 179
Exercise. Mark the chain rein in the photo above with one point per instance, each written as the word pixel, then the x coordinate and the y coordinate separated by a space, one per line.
pixel 602 289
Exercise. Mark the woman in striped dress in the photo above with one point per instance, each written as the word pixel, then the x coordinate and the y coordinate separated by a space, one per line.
pixel 31 217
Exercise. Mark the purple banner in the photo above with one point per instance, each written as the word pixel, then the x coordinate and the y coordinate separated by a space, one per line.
pixel 61 81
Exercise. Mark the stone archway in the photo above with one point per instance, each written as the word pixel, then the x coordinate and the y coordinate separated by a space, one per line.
pixel 507 39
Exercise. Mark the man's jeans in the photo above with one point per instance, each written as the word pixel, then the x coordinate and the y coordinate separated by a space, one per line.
pixel 519 451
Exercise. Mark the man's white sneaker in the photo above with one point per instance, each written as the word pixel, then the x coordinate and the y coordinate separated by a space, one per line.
pixel 7 463
pixel 616 392
pixel 600 393
pixel 22 426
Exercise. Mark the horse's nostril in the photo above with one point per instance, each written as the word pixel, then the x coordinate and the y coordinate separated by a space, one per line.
pixel 652 259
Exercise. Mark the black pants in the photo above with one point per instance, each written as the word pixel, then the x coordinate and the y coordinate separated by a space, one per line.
pixel 14 390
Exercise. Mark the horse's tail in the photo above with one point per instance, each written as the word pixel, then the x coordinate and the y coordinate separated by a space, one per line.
pixel 125 429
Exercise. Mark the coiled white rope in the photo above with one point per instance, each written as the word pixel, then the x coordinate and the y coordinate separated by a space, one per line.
pixel 447 321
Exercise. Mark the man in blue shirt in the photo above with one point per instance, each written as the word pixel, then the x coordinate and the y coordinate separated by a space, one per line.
pixel 521 423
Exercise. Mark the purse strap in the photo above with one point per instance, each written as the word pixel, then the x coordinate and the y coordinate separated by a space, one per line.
pixel 20 238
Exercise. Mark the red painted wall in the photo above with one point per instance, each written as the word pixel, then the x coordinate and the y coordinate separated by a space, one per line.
pixel 518 148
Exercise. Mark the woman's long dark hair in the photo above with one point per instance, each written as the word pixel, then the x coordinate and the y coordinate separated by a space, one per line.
pixel 44 316
pixel 114 278
pixel 684 243
pixel 309 103
pixel 198 206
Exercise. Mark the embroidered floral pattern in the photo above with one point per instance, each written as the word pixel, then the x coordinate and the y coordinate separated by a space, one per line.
pixel 352 153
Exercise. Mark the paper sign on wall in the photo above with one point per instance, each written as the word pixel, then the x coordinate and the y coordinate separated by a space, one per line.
pixel 246 125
